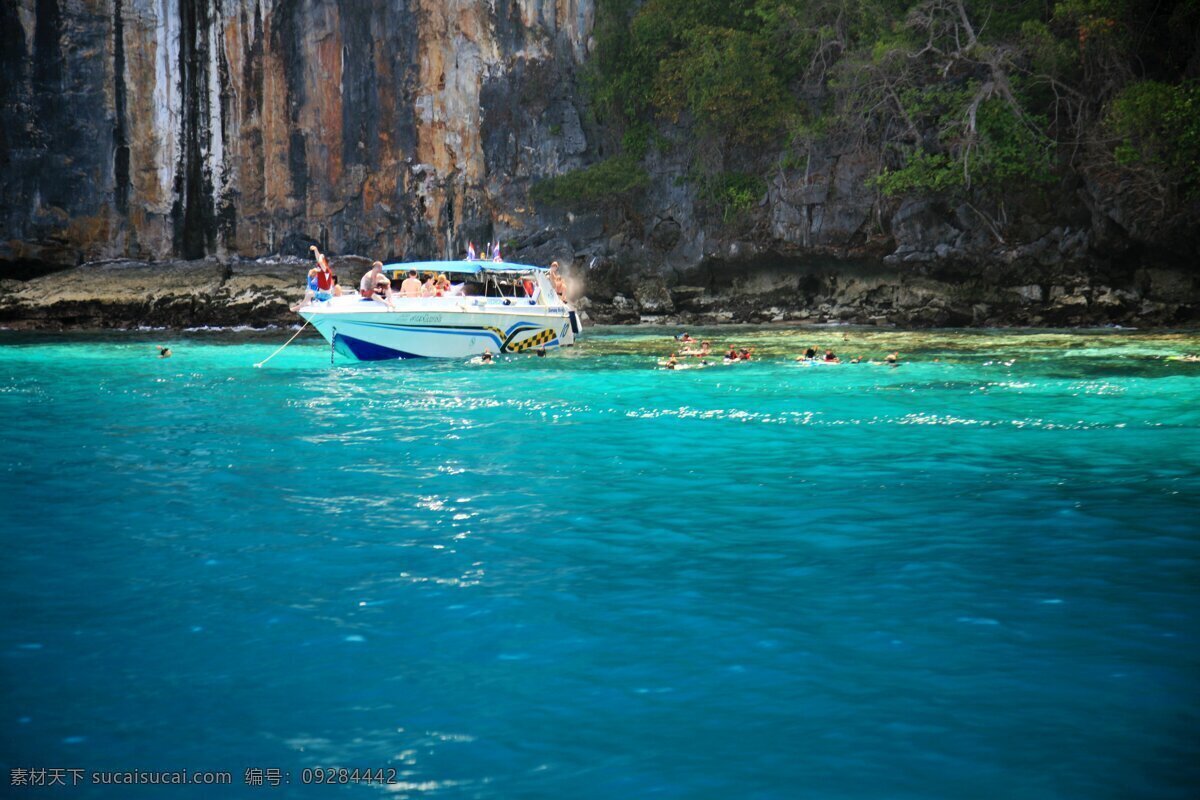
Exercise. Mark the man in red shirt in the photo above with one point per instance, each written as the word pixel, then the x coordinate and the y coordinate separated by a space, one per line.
pixel 324 275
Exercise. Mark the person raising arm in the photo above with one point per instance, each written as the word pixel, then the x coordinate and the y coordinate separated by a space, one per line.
pixel 324 275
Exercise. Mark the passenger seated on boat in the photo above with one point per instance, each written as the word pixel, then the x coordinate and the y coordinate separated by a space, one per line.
pixel 310 289
pixel 411 287
pixel 382 291
pixel 428 289
pixel 366 286
pixel 532 290
pixel 443 286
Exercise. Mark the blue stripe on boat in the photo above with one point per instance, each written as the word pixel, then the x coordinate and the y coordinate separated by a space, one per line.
pixel 369 351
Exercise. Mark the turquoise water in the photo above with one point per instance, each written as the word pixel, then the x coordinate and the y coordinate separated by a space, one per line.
pixel 972 576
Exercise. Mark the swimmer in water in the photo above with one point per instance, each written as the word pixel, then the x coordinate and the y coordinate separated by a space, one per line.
pixel 164 352
pixel 486 358
pixel 893 358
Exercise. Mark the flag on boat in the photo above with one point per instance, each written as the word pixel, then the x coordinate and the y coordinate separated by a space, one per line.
pixel 496 252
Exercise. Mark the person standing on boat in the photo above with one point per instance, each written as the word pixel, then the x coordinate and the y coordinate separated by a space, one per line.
pixel 367 285
pixel 411 287
pixel 559 286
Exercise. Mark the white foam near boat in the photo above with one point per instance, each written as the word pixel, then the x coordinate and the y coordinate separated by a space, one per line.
pixel 494 306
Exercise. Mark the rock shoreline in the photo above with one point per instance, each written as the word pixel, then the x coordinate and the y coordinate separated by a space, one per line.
pixel 258 293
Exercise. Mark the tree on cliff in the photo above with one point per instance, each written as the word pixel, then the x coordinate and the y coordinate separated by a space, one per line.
pixel 970 99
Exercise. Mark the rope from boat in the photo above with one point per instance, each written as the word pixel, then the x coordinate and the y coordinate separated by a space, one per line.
pixel 285 344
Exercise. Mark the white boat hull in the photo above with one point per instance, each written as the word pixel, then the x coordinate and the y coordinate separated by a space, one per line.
pixel 438 327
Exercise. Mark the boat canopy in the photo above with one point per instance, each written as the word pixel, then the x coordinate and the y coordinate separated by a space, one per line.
pixel 472 267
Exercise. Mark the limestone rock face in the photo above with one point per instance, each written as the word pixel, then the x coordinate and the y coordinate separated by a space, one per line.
pixel 184 141
pixel 158 129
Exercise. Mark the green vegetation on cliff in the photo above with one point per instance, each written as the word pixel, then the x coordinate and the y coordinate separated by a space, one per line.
pixel 613 179
pixel 968 98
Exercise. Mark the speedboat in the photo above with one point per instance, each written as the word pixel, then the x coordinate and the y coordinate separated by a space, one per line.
pixel 491 306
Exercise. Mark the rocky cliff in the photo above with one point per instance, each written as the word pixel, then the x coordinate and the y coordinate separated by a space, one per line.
pixel 154 129
pixel 190 149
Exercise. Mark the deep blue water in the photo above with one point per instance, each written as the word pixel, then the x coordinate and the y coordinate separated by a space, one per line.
pixel 585 577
